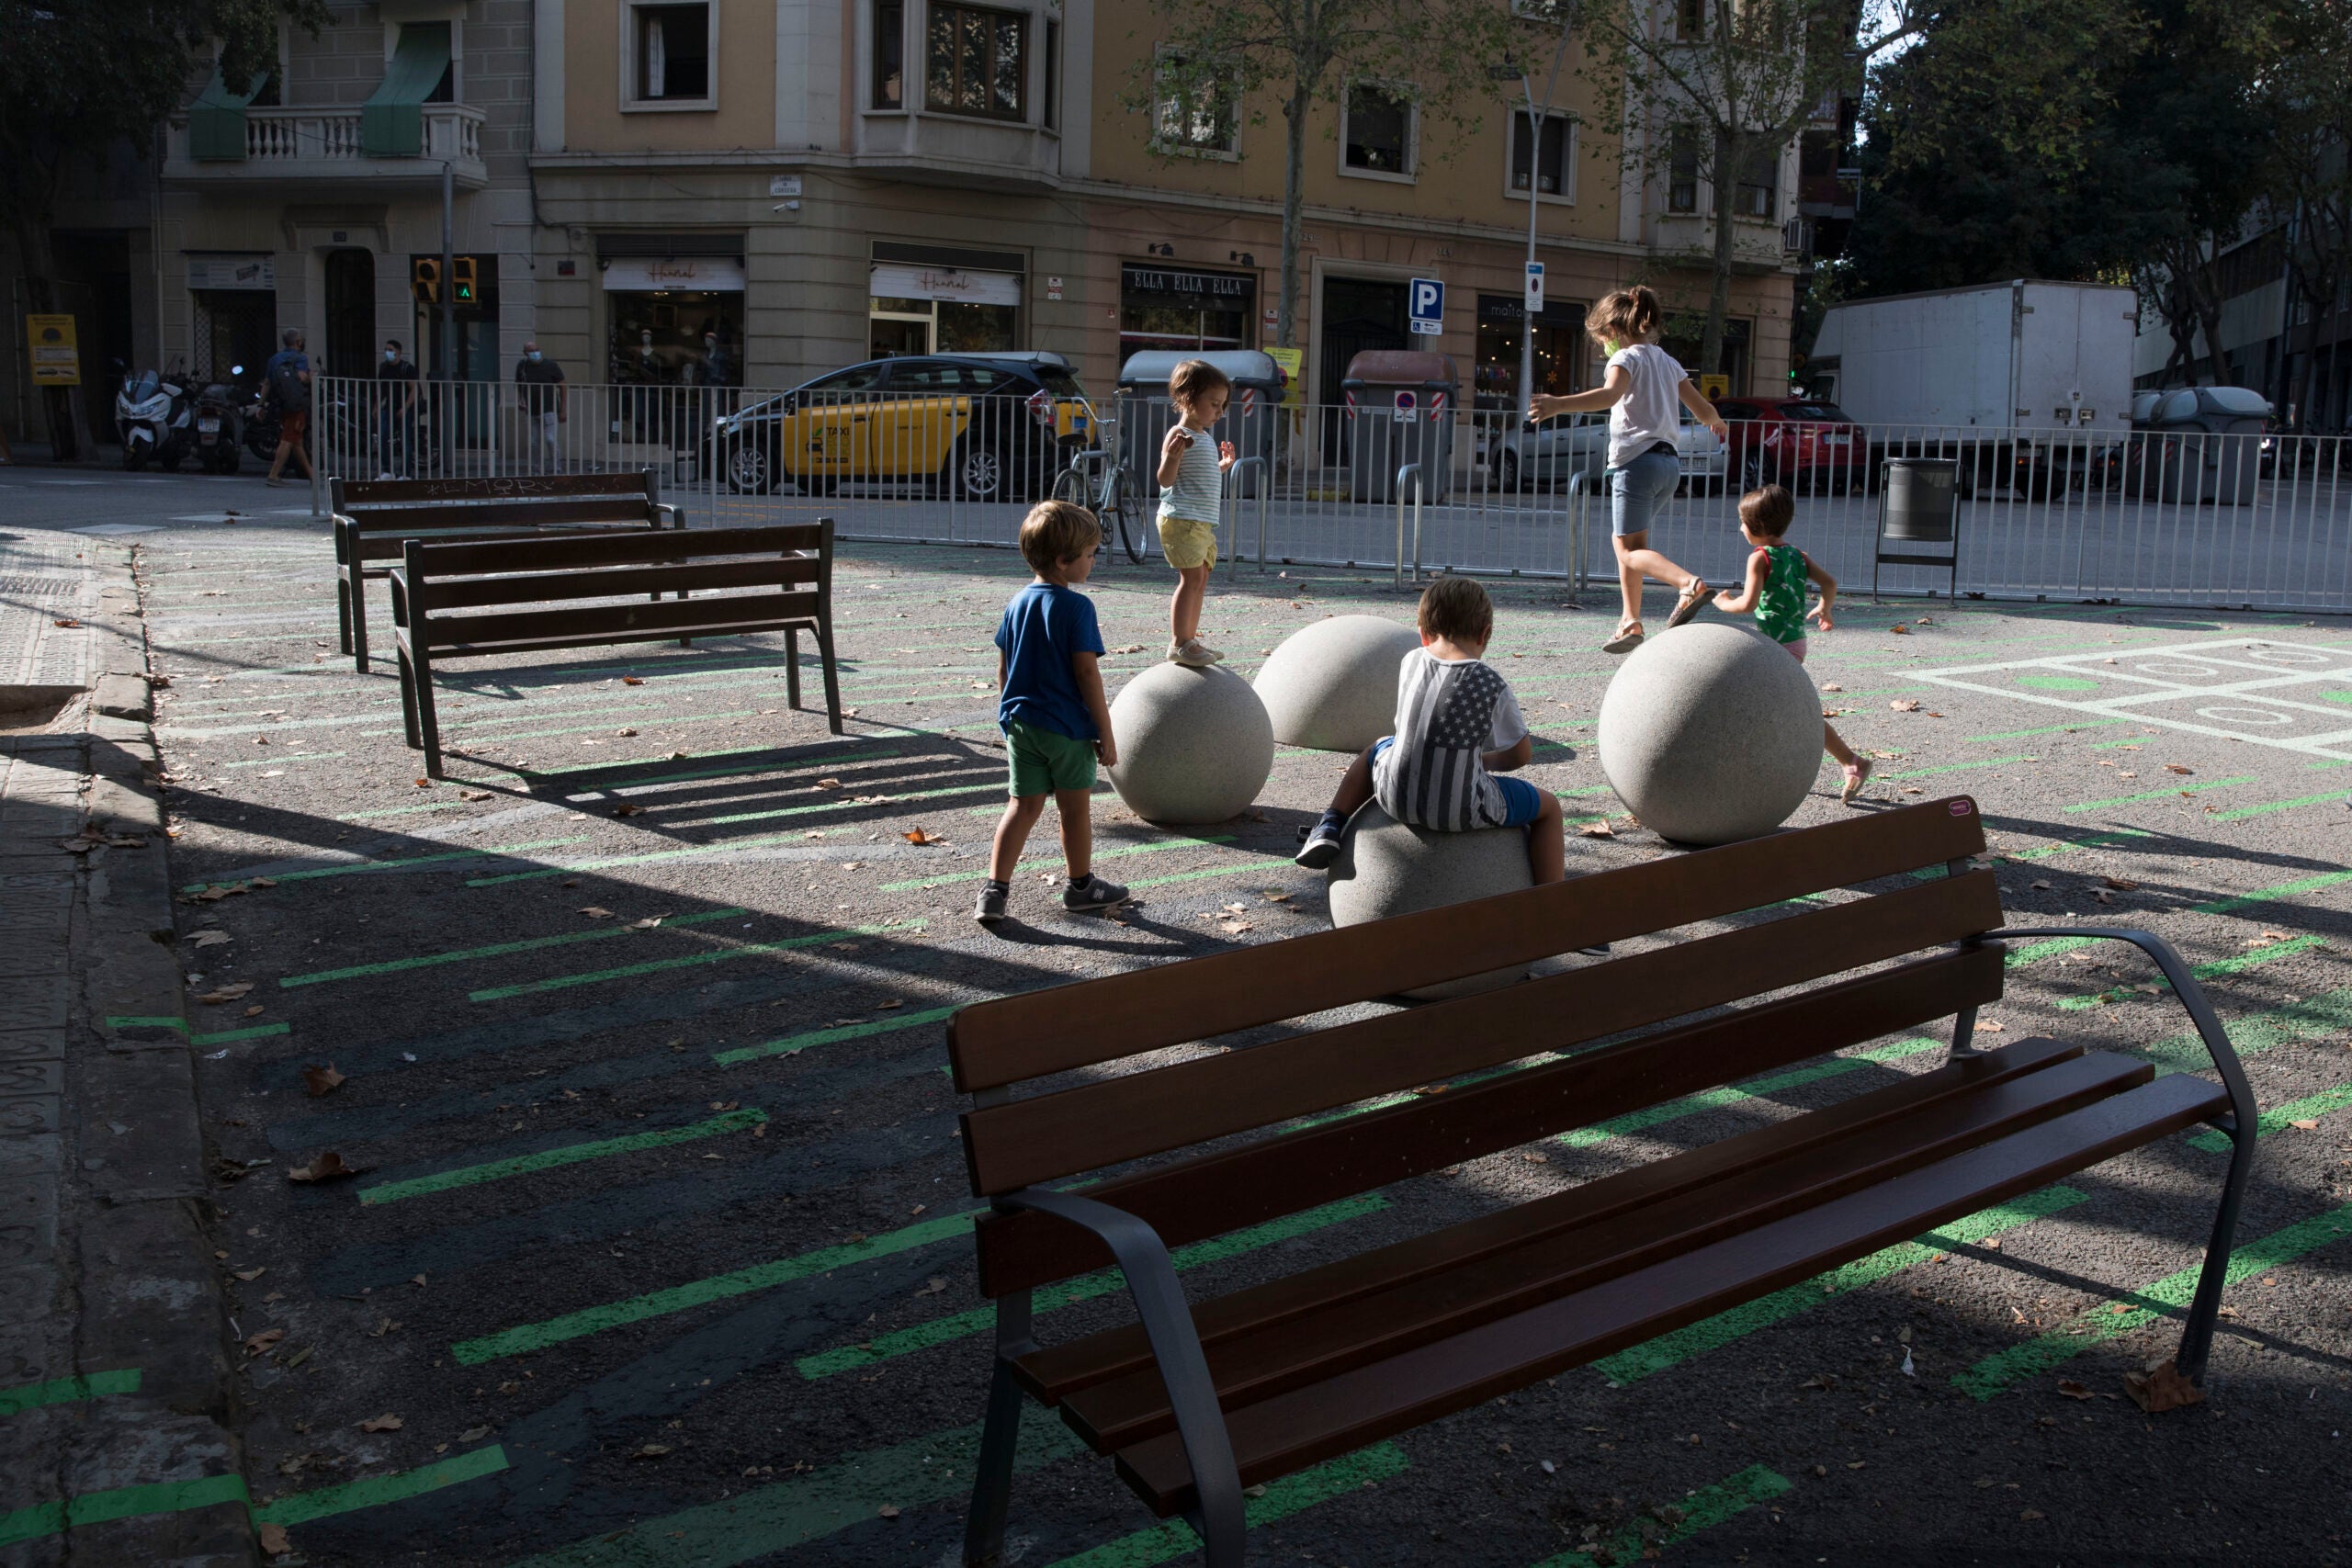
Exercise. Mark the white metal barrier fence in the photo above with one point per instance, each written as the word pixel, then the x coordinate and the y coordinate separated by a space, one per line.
pixel 2150 517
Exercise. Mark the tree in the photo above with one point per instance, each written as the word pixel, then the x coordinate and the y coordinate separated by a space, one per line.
pixel 81 78
pixel 2306 97
pixel 1214 59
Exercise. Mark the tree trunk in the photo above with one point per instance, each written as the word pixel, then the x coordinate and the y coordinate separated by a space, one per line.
pixel 1726 171
pixel 1302 99
pixel 39 259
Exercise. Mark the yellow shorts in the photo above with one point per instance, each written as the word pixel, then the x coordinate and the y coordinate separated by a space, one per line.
pixel 1188 542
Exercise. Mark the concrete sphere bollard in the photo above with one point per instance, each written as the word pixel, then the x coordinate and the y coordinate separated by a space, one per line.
pixel 1386 867
pixel 1332 686
pixel 1195 745
pixel 1710 733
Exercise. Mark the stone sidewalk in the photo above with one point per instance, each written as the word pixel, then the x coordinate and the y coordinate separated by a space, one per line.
pixel 116 1366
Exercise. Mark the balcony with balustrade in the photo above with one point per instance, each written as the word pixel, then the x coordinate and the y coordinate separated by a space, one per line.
pixel 325 150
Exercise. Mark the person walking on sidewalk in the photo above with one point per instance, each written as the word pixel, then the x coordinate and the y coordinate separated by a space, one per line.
pixel 396 416
pixel 546 403
pixel 288 377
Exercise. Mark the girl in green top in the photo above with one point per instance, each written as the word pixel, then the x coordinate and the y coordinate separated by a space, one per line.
pixel 1776 574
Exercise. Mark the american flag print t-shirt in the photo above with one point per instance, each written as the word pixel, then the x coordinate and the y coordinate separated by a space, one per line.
pixel 1448 712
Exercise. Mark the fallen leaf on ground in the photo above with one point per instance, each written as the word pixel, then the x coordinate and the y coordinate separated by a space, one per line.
pixel 2176 768
pixel 2041 887
pixel 647 923
pixel 1831 686
pixel 424 784
pixel 2159 1386
pixel 209 939
pixel 596 912
pixel 473 1434
pixel 886 1006
pixel 1904 704
pixel 625 809
pixel 827 783
pixel 931 1287
pixel 250 1275
pixel 919 836
pixel 473 795
pixel 68 622
pixel 386 1422
pixel 256 1011
pixel 226 993
pixel 2305 1124
pixel 261 1342
pixel 321 1080
pixel 650 1450
pixel 328 1167
pixel 1598 830
pixel 1128 647
pixel 632 681
pixel 1986 1026
pixel 273 1540
pixel 2073 1389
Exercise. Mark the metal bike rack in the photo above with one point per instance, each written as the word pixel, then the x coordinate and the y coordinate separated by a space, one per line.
pixel 1232 489
pixel 1414 469
pixel 1580 522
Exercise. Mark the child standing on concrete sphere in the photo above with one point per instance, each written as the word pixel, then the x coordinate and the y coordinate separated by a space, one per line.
pixel 1777 573
pixel 1640 389
pixel 1191 479
pixel 1057 724
pixel 1457 727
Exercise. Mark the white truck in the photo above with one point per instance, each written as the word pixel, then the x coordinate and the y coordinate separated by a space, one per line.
pixel 2043 369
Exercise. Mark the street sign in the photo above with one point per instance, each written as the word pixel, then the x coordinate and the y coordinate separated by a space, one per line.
pixel 1406 404
pixel 57 361
pixel 1428 297
pixel 1711 387
pixel 1535 288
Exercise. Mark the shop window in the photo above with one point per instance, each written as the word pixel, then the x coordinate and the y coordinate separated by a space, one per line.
pixel 670 55
pixel 974 62
pixel 1560 350
pixel 1547 152
pixel 1759 192
pixel 1195 113
pixel 1682 173
pixel 919 308
pixel 890 55
pixel 1199 311
pixel 1378 136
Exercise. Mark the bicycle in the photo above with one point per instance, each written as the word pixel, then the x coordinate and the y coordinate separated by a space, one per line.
pixel 1097 478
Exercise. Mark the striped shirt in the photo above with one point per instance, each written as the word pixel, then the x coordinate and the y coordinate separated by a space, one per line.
pixel 1448 711
pixel 1199 483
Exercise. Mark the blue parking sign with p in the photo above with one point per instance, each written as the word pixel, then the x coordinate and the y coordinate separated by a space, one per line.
pixel 1428 301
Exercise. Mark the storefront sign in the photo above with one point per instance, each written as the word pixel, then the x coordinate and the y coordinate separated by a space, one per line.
pixel 254 272
pixel 896 281
pixel 57 362
pixel 1196 287
pixel 706 274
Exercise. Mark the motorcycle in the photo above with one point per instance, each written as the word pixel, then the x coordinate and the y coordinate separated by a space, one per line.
pixel 220 425
pixel 154 415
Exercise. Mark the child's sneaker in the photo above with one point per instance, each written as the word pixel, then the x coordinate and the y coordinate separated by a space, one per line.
pixel 1322 846
pixel 1092 894
pixel 1192 653
pixel 991 907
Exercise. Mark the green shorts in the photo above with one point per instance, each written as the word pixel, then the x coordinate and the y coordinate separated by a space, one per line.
pixel 1045 760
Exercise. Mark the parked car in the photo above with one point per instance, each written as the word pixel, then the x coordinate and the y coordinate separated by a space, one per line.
pixel 1554 450
pixel 1803 443
pixel 976 426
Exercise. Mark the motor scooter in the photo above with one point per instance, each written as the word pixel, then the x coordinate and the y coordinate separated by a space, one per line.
pixel 220 425
pixel 155 417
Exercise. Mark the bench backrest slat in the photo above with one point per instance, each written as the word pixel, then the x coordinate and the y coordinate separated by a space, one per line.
pixel 627 620
pixel 1211 1194
pixel 530 588
pixel 1003 1041
pixel 1138 1114
pixel 647 547
pixel 380 531
pixel 352 494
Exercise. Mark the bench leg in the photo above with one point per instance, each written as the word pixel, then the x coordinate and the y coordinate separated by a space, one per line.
pixel 792 666
pixel 428 725
pixel 2197 1336
pixel 992 1481
pixel 356 597
pixel 343 607
pixel 833 676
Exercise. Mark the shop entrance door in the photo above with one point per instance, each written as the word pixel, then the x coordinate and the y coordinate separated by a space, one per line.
pixel 1358 314
pixel 351 346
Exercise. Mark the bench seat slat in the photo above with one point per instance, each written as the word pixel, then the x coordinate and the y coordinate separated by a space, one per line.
pixel 647 546
pixel 1373 1327
pixel 1210 1194
pixel 604 583
pixel 375 524
pixel 1056 1372
pixel 1307 1425
pixel 1010 1039
pixel 513 630
pixel 1102 1124
pixel 495 487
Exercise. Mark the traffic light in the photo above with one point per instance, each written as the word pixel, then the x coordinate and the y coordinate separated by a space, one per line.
pixel 425 280
pixel 461 281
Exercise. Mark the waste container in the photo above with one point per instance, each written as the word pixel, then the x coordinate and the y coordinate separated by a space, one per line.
pixel 1250 418
pixel 2211 438
pixel 1918 498
pixel 1400 410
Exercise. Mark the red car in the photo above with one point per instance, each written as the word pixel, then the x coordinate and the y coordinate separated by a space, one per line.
pixel 1808 445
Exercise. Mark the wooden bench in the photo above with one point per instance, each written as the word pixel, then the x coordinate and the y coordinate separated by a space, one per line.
pixel 480 599
pixel 1195 1403
pixel 373 517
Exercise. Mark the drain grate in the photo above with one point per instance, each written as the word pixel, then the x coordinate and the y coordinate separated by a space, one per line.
pixel 16 586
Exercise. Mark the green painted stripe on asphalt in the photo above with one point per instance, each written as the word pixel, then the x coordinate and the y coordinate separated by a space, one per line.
pixel 792 1045
pixel 2047 729
pixel 1264 868
pixel 962 1324
pixel 62 1391
pixel 2327 1013
pixel 871 754
pixel 2264 895
pixel 549 1159
pixel 495 949
pixel 1669 1350
pixel 1957 767
pixel 2202 971
pixel 2310 1108
pixel 716 955
pixel 2244 812
pixel 700 1292
pixel 118 1502
pixel 1154 847
pixel 400 811
pixel 315 872
pixel 2160 794
pixel 1728 1094
pixel 1702 1510
pixel 295 757
pixel 1173 1539
pixel 2144 1306
pixel 2095 841
pixel 841 801
pixel 254 1033
pixel 375 1491
pixel 757 841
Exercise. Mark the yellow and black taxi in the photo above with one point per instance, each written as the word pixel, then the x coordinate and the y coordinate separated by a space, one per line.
pixel 973 426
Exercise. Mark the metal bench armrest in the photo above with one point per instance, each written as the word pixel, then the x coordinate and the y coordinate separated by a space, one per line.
pixel 670 511
pixel 1176 1348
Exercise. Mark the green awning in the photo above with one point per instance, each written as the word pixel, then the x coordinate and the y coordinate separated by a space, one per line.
pixel 216 121
pixel 391 122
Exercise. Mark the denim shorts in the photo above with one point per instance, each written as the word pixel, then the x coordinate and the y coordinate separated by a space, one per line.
pixel 1640 488
pixel 1522 802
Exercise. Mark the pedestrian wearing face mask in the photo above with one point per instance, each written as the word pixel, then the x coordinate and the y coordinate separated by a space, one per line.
pixel 546 403
pixel 396 409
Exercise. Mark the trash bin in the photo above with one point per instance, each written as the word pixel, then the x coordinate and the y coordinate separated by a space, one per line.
pixel 2214 448
pixel 1400 410
pixel 1917 499
pixel 1251 417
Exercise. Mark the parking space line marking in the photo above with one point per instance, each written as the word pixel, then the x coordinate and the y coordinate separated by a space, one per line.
pixel 2310 1108
pixel 2160 794
pixel 567 1154
pixel 2231 966
pixel 494 950
pixel 118 1502
pixel 792 1044
pixel 2243 812
pixel 375 1491
pixel 312 874
pixel 2327 1013
pixel 64 1391
pixel 1157 846
pixel 1702 1510
pixel 1292 1495
pixel 716 955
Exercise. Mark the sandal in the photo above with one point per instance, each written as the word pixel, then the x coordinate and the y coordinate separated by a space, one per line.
pixel 1857 776
pixel 1628 638
pixel 1695 594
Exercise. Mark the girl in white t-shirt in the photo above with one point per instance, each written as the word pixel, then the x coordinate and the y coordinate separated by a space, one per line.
pixel 1642 385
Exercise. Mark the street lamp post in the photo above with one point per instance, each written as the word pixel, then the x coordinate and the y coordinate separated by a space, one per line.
pixel 1536 115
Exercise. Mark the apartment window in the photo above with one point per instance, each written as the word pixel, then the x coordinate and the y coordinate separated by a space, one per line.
pixel 890 55
pixel 1682 175
pixel 1378 137
pixel 1197 113
pixel 1547 152
pixel 671 54
pixel 976 62
pixel 1691 20
pixel 1759 192
pixel 1053 74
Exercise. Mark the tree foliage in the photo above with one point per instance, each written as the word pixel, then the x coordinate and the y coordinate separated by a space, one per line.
pixel 2305 96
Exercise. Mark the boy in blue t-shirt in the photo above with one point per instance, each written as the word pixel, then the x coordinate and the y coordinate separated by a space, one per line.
pixel 1056 724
